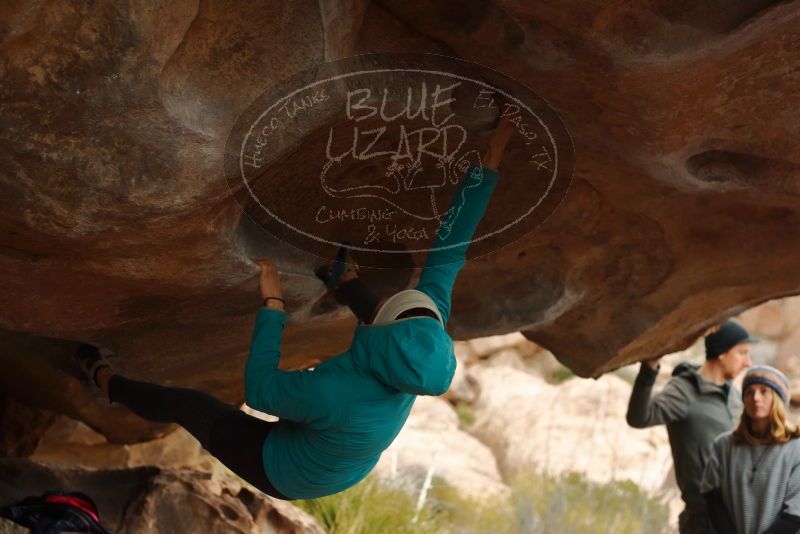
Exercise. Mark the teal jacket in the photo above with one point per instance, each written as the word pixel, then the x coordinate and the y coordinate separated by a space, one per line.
pixel 336 420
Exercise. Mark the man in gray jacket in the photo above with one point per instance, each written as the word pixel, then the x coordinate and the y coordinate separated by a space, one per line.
pixel 697 404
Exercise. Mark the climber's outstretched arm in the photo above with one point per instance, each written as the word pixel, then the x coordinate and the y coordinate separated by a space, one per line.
pixel 449 251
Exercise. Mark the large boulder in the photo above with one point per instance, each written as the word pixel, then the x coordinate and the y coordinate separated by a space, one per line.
pixel 23 427
pixel 70 442
pixel 431 444
pixel 119 226
pixel 578 426
pixel 9 527
pixel 777 323
pixel 149 499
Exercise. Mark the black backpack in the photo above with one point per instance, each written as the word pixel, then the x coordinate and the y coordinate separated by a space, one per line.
pixel 55 512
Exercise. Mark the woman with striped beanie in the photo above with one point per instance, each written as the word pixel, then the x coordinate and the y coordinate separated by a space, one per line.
pixel 752 479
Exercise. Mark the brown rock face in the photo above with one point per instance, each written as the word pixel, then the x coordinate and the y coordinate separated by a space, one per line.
pixel 118 225
pixel 23 427
pixel 148 499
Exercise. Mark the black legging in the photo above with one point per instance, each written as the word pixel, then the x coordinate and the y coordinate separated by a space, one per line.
pixel 233 437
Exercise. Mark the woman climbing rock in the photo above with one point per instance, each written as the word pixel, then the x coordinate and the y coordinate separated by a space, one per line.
pixel 335 420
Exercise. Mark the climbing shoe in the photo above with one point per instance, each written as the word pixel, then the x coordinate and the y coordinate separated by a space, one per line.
pixel 90 360
pixel 332 274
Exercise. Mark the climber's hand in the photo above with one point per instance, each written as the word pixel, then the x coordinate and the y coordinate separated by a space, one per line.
pixel 498 141
pixel 269 283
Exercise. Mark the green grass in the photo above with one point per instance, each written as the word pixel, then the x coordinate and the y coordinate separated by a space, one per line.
pixel 537 504
pixel 468 516
pixel 562 374
pixel 572 504
pixel 465 414
pixel 369 507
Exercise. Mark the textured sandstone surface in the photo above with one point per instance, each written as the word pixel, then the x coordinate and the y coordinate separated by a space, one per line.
pixel 148 499
pixel 577 426
pixel 777 324
pixel 8 527
pixel 431 443
pixel 70 442
pixel 118 226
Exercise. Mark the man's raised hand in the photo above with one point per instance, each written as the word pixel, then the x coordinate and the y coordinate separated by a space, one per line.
pixel 653 363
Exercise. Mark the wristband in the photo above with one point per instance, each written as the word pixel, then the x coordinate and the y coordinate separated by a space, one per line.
pixel 275 298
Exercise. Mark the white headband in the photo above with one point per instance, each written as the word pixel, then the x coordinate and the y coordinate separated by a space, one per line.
pixel 402 301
